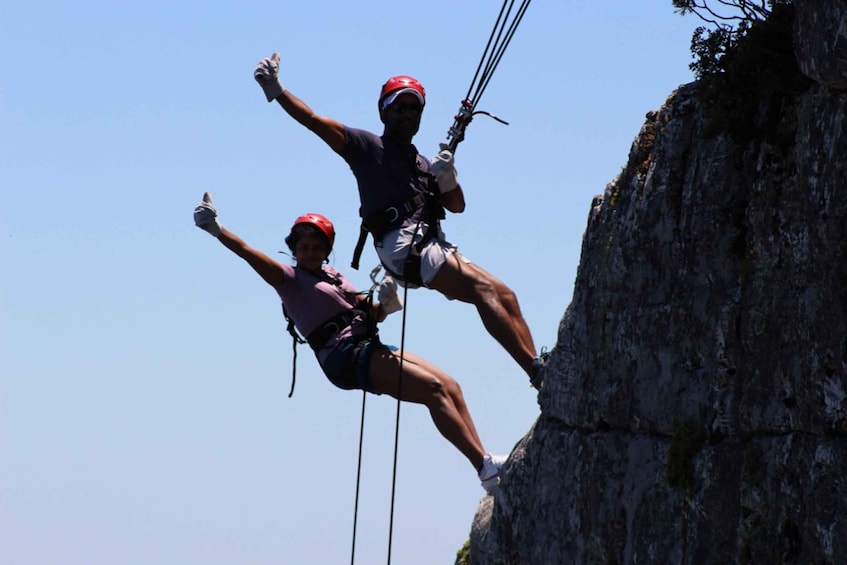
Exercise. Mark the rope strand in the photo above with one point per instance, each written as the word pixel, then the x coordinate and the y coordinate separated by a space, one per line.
pixel 372 325
pixel 498 40
pixel 358 478
pixel 399 395
pixel 500 37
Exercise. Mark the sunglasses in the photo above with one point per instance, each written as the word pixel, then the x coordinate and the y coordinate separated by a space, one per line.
pixel 401 108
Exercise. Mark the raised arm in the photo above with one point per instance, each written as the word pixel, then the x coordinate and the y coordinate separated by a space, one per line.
pixel 267 268
pixel 328 129
pixel 206 218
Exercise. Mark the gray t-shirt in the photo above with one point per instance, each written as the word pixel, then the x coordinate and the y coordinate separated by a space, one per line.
pixel 386 172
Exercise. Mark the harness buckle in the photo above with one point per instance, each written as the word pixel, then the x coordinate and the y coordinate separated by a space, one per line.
pixel 395 212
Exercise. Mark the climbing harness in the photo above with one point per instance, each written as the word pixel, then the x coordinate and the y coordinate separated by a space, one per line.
pixel 318 337
pixel 382 221
pixel 295 339
pixel 501 35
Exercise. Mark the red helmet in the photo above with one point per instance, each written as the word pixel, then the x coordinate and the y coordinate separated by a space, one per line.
pixel 401 83
pixel 317 220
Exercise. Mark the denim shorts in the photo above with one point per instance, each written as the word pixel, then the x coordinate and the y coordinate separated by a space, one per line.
pixel 348 364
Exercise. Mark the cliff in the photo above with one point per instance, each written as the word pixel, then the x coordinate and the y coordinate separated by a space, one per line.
pixel 695 406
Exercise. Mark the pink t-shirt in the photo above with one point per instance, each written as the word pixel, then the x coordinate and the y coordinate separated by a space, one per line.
pixel 311 300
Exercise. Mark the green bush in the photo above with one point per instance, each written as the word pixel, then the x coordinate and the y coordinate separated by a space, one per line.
pixel 745 63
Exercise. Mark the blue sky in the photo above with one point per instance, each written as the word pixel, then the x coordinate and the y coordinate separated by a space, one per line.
pixel 144 369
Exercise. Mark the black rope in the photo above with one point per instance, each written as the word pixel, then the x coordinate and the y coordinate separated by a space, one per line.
pixel 293 367
pixel 500 37
pixel 485 52
pixel 397 418
pixel 358 478
pixel 501 43
pixel 400 384
pixel 373 331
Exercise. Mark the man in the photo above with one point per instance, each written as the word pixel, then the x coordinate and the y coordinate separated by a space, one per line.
pixel 403 197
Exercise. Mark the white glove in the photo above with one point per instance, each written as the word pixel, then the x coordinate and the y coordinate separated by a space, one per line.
pixel 388 297
pixel 443 169
pixel 206 217
pixel 267 75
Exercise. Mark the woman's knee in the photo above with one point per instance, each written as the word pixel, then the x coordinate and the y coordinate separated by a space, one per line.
pixel 438 389
pixel 450 386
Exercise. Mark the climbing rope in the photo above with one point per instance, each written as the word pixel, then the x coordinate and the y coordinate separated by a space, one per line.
pixel 501 35
pixel 358 478
pixel 400 388
pixel 374 285
pixel 397 417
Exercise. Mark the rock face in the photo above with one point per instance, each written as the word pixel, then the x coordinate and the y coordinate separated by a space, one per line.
pixel 695 406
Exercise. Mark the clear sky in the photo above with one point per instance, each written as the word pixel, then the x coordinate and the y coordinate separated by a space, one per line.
pixel 144 369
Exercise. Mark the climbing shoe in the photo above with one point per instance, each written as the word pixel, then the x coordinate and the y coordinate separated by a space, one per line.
pixel 538 365
pixel 489 475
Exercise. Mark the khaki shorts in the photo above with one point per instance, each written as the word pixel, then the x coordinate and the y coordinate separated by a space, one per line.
pixel 394 249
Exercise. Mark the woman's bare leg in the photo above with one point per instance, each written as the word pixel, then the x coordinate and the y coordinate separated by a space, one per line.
pixel 434 389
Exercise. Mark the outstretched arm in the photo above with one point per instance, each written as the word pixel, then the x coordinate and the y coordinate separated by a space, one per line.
pixel 328 129
pixel 206 218
pixel 267 268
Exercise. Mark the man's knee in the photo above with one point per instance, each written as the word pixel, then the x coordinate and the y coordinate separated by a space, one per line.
pixel 507 295
pixel 487 289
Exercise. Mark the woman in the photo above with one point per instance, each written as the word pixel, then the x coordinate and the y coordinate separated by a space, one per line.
pixel 334 317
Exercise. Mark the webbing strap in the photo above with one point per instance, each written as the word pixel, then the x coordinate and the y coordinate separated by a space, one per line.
pixel 360 246
pixel 295 339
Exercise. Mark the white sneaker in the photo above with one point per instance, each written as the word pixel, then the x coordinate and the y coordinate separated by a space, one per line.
pixel 489 475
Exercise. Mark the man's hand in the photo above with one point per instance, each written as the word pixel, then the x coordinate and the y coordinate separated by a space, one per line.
pixel 206 217
pixel 267 75
pixel 443 169
pixel 388 297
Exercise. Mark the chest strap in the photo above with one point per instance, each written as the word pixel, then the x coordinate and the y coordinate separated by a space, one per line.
pixel 392 217
pixel 382 221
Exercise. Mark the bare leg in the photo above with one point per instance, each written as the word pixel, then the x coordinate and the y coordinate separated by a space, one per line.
pixel 496 303
pixel 425 384
pixel 509 300
pixel 453 389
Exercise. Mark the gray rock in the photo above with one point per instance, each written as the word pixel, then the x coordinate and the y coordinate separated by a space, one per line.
pixel 820 41
pixel 694 409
